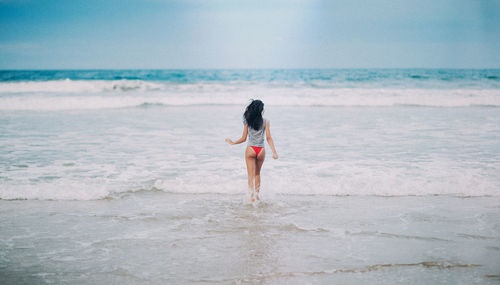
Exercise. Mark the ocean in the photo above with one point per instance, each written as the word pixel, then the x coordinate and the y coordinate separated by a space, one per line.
pixel 385 176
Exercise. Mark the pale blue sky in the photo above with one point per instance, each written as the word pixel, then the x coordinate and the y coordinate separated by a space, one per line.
pixel 51 34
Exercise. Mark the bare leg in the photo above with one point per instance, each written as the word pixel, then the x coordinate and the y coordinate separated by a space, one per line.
pixel 258 165
pixel 250 159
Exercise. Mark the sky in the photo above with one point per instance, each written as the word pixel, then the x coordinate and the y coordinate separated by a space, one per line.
pixel 144 34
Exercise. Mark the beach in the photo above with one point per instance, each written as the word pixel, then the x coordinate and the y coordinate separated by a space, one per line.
pixel 385 176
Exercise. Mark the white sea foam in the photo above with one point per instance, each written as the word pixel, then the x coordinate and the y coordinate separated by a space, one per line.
pixel 61 190
pixel 72 95
pixel 78 86
pixel 350 180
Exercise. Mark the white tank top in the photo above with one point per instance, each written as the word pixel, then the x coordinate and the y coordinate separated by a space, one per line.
pixel 256 137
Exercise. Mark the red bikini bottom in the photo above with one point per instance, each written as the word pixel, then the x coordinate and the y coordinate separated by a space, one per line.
pixel 257 149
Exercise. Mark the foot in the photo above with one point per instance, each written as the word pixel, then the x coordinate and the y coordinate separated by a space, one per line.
pixel 252 198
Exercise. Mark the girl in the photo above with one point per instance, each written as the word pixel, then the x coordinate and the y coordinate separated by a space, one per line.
pixel 255 126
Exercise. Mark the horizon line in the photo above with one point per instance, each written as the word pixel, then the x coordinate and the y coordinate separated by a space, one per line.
pixel 241 68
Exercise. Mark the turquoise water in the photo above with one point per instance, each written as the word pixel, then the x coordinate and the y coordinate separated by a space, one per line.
pixel 384 176
pixel 334 77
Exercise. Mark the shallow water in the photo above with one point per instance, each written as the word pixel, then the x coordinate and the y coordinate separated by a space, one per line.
pixel 156 238
pixel 324 150
pixel 384 176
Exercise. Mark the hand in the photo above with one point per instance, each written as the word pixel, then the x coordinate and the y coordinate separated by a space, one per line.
pixel 275 155
pixel 229 141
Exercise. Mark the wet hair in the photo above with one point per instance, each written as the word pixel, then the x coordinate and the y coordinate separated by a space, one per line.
pixel 253 114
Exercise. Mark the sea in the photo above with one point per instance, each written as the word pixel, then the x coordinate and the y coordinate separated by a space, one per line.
pixel 384 176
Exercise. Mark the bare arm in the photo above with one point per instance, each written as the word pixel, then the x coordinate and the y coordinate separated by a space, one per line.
pixel 270 141
pixel 243 137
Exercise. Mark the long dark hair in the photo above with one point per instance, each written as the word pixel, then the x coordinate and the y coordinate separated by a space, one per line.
pixel 253 114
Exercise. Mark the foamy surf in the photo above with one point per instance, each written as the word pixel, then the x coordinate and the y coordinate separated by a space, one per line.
pixel 350 181
pixel 78 86
pixel 276 96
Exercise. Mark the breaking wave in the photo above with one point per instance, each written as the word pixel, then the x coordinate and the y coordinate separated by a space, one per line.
pixel 100 94
pixel 278 183
pixel 78 86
